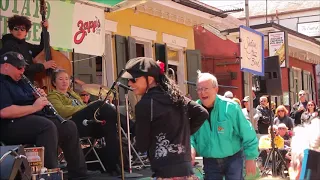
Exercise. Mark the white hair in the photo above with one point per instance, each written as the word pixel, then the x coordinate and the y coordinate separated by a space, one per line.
pixel 207 76
pixel 307 137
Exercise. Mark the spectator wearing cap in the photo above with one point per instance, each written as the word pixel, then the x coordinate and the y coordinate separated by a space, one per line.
pixel 228 94
pixel 284 133
pixel 282 117
pixel 246 111
pixel 165 119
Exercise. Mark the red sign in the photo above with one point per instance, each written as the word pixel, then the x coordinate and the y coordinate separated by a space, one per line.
pixel 84 29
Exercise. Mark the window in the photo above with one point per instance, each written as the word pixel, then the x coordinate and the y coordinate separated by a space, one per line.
pixel 176 66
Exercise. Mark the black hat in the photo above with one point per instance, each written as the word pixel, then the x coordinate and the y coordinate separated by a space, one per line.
pixel 13 58
pixel 141 66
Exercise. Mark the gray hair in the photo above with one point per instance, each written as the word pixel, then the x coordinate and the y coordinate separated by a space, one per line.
pixel 207 76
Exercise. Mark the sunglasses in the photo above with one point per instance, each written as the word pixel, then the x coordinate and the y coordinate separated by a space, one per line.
pixel 19 28
pixel 133 80
pixel 302 94
pixel 84 94
pixel 20 68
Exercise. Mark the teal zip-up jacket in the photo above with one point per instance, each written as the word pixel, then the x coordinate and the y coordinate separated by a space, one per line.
pixel 227 132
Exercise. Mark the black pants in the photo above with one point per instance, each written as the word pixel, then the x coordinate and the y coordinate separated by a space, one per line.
pixel 110 153
pixel 49 133
pixel 263 128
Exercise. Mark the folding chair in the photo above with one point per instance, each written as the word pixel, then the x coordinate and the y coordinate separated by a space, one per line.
pixel 92 148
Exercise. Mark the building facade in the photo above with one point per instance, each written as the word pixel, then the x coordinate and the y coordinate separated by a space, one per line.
pixel 221 56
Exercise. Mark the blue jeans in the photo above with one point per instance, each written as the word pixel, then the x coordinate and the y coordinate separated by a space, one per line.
pixel 228 168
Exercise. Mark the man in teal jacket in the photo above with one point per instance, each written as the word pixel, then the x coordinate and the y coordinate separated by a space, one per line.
pixel 225 136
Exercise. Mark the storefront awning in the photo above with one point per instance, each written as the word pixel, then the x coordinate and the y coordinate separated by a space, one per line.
pixel 109 2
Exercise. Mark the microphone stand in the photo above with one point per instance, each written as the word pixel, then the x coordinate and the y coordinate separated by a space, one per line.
pixel 116 96
pixel 128 129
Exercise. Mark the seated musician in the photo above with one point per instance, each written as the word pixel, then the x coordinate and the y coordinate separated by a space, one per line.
pixel 85 96
pixel 70 106
pixel 23 121
pixel 19 27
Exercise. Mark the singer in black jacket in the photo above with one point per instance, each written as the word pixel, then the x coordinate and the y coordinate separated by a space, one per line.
pixel 70 106
pixel 22 120
pixel 165 119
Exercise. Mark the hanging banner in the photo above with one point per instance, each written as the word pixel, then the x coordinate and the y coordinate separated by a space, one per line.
pixel 88 30
pixel 251 51
pixel 59 15
pixel 277 46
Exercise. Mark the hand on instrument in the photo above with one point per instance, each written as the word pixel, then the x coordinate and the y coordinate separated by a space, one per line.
pixel 41 92
pixel 193 155
pixel 50 64
pixel 40 103
pixel 45 24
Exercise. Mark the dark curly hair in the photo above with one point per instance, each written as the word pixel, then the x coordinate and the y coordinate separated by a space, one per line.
pixel 170 87
pixel 17 20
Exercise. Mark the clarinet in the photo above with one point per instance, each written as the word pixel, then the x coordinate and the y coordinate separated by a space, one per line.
pixel 50 106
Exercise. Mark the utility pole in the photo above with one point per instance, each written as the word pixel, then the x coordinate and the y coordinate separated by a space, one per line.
pixel 248 73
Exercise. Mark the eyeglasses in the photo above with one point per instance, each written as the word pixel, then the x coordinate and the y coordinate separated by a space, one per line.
pixel 19 28
pixel 84 94
pixel 203 89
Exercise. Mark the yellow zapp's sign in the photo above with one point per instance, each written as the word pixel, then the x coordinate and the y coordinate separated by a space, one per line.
pixel 277 47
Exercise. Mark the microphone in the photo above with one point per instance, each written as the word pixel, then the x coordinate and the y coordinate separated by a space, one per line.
pixel 124 86
pixel 86 122
pixel 190 83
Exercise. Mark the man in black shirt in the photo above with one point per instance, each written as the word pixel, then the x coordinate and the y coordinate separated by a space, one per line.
pixel 23 121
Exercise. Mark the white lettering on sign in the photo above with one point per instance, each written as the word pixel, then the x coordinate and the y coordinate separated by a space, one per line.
pixel 310 29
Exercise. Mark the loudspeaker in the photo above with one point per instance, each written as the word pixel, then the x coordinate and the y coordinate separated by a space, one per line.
pixel 270 83
pixel 14 163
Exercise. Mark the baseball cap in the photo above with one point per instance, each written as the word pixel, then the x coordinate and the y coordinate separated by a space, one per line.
pixel 141 66
pixel 245 99
pixel 282 125
pixel 13 58
pixel 228 94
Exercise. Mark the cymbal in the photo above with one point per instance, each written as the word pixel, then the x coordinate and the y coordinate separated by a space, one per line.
pixel 95 89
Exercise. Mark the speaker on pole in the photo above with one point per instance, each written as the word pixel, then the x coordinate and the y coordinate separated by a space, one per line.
pixel 14 163
pixel 270 83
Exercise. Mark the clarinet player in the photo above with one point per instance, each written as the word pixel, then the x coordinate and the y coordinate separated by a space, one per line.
pixel 22 120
